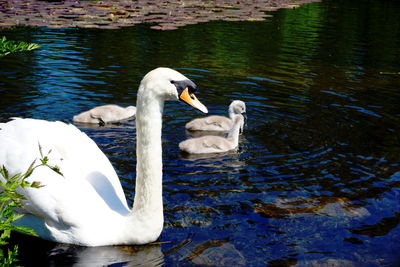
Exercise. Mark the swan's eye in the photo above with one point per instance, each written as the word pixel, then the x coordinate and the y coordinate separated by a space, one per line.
pixel 183 84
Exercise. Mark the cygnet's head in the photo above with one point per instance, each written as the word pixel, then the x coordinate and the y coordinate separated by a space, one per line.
pixel 237 107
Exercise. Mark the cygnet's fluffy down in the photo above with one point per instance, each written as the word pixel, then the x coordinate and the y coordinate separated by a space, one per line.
pixel 214 144
pixel 105 114
pixel 218 123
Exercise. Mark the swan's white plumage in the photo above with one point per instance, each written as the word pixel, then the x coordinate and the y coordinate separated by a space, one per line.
pixel 85 172
pixel 87 206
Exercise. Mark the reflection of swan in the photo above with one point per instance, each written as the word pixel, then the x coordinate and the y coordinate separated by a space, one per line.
pixel 105 114
pixel 149 255
pixel 212 158
pixel 87 206
pixel 214 144
pixel 218 123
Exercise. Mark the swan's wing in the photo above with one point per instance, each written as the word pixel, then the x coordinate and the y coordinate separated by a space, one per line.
pixel 88 177
pixel 106 113
pixel 205 144
pixel 210 123
pixel 98 119
pixel 214 143
pixel 220 122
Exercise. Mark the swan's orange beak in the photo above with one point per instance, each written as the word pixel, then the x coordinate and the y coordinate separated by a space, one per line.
pixel 192 100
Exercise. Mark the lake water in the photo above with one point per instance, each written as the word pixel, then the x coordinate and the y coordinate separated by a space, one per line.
pixel 316 178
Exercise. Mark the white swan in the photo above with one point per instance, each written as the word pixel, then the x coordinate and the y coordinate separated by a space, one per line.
pixel 214 144
pixel 87 206
pixel 105 114
pixel 218 123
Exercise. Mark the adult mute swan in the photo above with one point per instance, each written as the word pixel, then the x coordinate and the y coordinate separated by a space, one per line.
pixel 218 123
pixel 105 114
pixel 87 206
pixel 214 144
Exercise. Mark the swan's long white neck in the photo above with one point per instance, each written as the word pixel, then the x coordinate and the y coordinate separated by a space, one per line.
pixel 148 204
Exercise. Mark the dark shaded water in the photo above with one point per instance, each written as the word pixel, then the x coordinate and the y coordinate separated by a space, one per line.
pixel 317 175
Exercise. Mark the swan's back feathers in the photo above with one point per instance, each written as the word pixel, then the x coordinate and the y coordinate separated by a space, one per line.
pixel 113 113
pixel 105 114
pixel 87 173
pixel 217 123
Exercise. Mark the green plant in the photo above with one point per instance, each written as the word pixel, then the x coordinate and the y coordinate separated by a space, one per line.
pixel 10 199
pixel 7 47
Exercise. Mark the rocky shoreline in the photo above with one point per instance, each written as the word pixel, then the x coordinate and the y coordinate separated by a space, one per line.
pixel 161 15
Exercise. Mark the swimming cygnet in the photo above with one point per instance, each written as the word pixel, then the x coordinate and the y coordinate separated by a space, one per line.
pixel 105 114
pixel 218 123
pixel 214 144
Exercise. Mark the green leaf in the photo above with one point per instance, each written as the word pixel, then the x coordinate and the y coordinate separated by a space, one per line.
pixel 30 169
pixel 25 184
pixel 40 150
pixel 4 172
pixel 36 184
pixel 17 216
pixel 56 169
pixel 44 160
pixel 5 235
pixel 25 231
pixel 7 47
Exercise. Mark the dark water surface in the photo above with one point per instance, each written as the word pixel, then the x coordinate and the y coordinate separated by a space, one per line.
pixel 317 176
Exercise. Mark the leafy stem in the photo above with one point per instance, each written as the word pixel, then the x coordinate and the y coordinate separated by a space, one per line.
pixel 10 200
pixel 7 47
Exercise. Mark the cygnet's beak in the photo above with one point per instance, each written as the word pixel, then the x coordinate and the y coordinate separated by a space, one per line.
pixel 192 100
pixel 244 116
pixel 245 122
